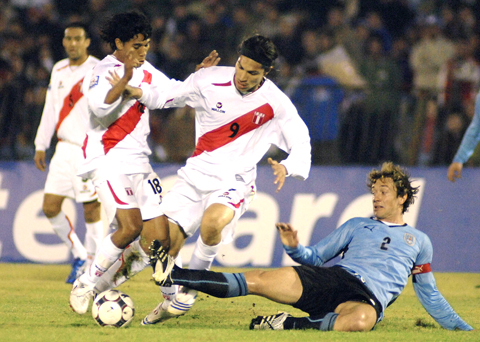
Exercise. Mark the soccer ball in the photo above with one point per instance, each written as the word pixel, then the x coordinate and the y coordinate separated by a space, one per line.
pixel 113 308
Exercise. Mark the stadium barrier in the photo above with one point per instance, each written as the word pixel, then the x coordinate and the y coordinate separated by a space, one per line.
pixel 447 212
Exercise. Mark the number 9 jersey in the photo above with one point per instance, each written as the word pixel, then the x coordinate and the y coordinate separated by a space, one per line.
pixel 234 131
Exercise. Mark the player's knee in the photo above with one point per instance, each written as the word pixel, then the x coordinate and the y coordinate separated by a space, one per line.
pixel 130 229
pixel 50 210
pixel 360 321
pixel 92 212
pixel 211 230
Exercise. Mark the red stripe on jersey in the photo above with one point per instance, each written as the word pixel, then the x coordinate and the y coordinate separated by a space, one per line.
pixel 114 195
pixel 69 102
pixel 124 125
pixel 233 130
pixel 147 77
pixel 229 83
pixel 425 268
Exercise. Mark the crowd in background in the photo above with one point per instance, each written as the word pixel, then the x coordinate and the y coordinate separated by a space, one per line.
pixel 397 78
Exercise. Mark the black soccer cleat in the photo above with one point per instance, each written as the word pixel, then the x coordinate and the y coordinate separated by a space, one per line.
pixel 272 322
pixel 162 264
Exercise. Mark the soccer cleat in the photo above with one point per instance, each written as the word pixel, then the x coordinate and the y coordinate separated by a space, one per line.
pixel 272 322
pixel 162 264
pixel 175 308
pixel 77 270
pixel 80 297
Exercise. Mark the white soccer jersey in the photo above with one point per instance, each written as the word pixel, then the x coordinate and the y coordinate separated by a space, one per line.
pixel 65 108
pixel 234 131
pixel 117 138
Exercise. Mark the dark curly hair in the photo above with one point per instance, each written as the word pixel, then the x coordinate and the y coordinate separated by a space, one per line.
pixel 400 178
pixel 125 26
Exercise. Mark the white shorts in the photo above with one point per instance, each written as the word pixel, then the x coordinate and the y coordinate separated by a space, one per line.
pixel 185 203
pixel 62 176
pixel 119 191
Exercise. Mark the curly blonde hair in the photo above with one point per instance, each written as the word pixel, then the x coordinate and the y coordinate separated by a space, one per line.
pixel 401 180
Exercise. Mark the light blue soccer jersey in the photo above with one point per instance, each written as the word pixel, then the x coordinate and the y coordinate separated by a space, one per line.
pixel 471 138
pixel 384 257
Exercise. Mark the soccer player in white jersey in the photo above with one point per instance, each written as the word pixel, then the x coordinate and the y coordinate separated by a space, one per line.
pixel 66 113
pixel 116 150
pixel 239 115
pixel 379 254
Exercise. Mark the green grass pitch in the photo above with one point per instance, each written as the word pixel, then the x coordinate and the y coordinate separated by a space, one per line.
pixel 34 307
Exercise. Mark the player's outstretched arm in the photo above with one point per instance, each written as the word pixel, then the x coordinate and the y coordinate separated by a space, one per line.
pixel 435 304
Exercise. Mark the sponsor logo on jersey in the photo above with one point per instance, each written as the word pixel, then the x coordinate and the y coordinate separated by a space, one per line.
pixel 409 239
pixel 218 108
pixel 370 227
pixel 258 118
pixel 93 81
pixel 60 85
pixel 225 195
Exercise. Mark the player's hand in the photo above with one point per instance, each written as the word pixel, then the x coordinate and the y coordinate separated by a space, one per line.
pixel 129 64
pixel 39 160
pixel 113 77
pixel 211 60
pixel 288 235
pixel 129 91
pixel 454 171
pixel 279 171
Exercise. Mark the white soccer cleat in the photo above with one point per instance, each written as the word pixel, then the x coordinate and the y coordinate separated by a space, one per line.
pixel 80 297
pixel 176 308
pixel 272 322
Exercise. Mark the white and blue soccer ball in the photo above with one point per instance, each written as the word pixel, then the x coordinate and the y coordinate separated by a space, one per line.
pixel 113 308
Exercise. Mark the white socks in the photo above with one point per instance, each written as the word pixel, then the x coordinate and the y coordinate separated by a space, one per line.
pixel 93 239
pixel 64 229
pixel 203 256
pixel 133 259
pixel 107 254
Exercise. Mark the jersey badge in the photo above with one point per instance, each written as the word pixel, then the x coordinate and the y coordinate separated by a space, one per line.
pixel 93 82
pixel 258 118
pixel 129 191
pixel 409 239
pixel 60 85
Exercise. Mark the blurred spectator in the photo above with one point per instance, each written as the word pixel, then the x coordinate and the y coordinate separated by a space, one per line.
pixel 381 106
pixel 459 82
pixel 343 33
pixel 427 57
pixel 287 40
pixel 377 26
pixel 459 77
pixel 335 62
